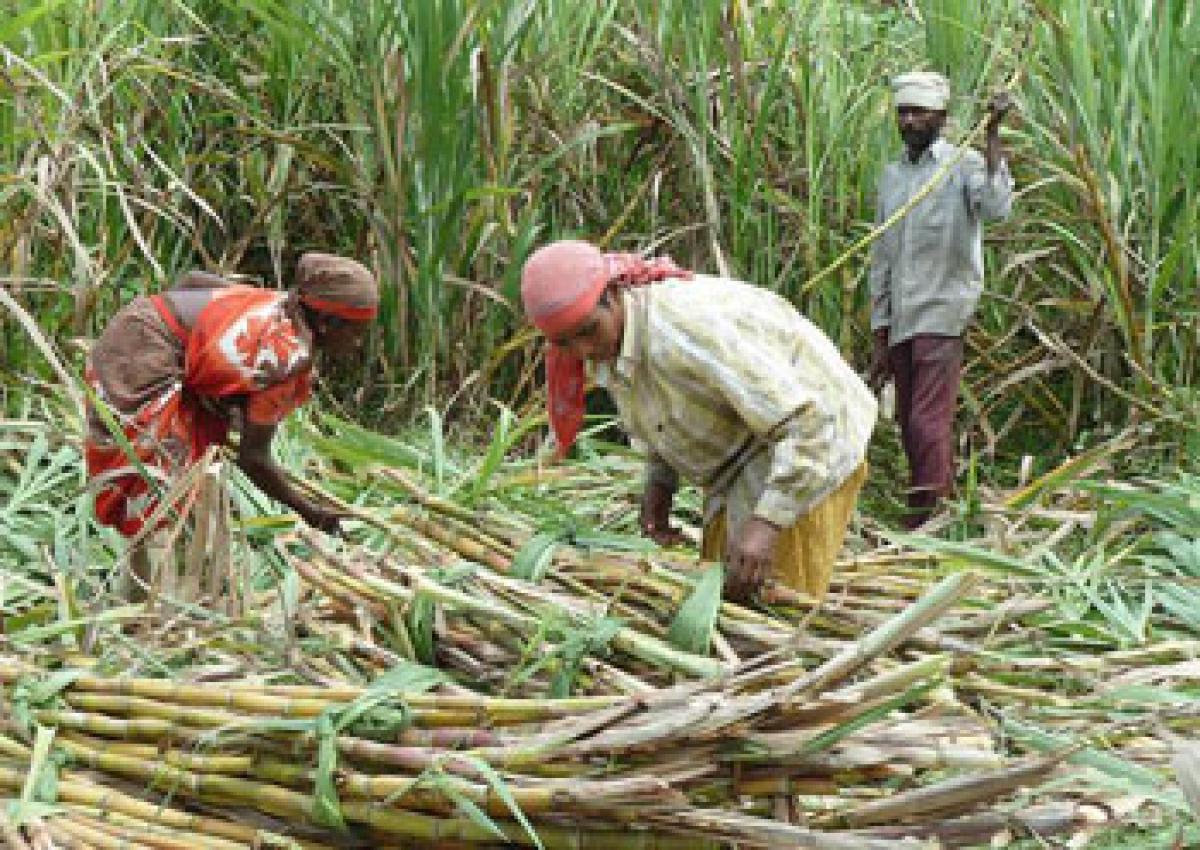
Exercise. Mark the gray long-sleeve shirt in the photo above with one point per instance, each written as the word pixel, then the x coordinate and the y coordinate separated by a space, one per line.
pixel 927 269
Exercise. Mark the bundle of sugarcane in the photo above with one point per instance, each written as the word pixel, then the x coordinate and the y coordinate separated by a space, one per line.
pixel 594 623
pixel 510 600
pixel 92 812
pixel 701 761
pixel 489 625
pixel 1007 640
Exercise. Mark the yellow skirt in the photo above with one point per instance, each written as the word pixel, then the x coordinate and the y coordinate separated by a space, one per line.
pixel 806 552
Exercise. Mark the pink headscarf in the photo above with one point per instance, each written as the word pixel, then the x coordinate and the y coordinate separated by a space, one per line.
pixel 560 286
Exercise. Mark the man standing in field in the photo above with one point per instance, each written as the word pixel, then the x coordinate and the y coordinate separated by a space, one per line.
pixel 727 386
pixel 927 274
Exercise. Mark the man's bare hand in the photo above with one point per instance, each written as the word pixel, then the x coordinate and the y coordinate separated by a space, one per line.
pixel 999 106
pixel 881 363
pixel 749 557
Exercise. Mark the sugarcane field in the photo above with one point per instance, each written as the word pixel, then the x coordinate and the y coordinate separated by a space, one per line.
pixel 641 425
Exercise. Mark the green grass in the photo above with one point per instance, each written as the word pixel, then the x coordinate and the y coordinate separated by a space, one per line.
pixel 441 140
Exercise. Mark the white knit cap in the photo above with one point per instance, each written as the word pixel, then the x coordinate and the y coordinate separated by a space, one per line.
pixel 925 89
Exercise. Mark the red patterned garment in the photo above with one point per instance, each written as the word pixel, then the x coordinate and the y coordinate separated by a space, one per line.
pixel 167 387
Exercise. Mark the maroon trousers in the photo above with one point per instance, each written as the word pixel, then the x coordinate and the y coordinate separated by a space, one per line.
pixel 927 370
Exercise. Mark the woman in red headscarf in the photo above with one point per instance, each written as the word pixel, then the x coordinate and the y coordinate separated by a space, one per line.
pixel 726 385
pixel 176 371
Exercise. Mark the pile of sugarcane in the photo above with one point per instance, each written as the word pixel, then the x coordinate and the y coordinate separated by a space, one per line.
pixel 465 675
pixel 518 611
pixel 705 761
pixel 515 610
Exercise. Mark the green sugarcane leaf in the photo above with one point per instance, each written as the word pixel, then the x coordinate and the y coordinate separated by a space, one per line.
pixel 1144 694
pixel 326 807
pixel 371 716
pixel 46 789
pixel 495 455
pixel 437 436
pixel 475 814
pixel 38 634
pixel 408 677
pixel 18 814
pixel 497 783
pixel 398 634
pixel 968 554
pixel 587 539
pixel 692 628
pixel 533 560
pixel 1135 775
pixel 589 638
pixel 34 615
pixel 41 782
pixel 1186 764
pixel 359 447
pixel 829 738
pixel 563 682
pixel 290 594
pixel 421 614
pixel 533 654
pixel 31 693
pixel 1065 473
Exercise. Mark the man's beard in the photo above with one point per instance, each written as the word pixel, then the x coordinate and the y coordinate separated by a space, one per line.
pixel 919 139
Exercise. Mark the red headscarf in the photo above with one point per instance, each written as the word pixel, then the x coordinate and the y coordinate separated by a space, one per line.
pixel 560 286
